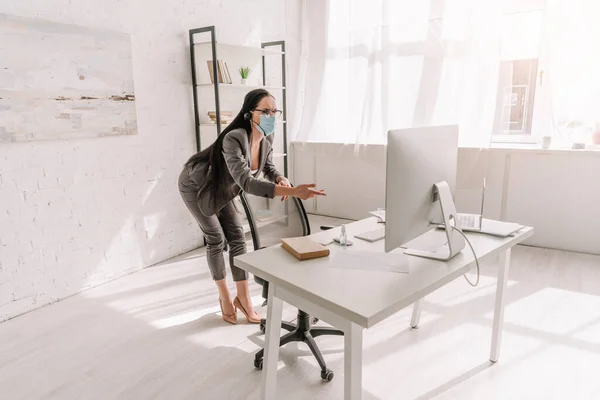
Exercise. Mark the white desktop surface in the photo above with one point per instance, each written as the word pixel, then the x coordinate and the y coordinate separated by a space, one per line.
pixel 367 297
pixel 351 299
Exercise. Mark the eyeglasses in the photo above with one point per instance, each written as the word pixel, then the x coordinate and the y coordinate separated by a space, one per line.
pixel 266 111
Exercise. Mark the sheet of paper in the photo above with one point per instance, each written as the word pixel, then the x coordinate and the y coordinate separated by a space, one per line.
pixel 324 241
pixel 499 228
pixel 370 261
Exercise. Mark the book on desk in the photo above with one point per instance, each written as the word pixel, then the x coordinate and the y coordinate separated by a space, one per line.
pixel 304 248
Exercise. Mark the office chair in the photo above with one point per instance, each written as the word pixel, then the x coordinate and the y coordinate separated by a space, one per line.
pixel 293 223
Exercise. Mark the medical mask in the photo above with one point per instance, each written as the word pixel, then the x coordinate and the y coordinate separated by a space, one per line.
pixel 267 124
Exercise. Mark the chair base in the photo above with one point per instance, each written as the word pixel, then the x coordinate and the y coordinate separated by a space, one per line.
pixel 302 332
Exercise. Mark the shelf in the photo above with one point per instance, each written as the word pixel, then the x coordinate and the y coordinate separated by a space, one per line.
pixel 238 47
pixel 239 86
pixel 263 223
pixel 205 48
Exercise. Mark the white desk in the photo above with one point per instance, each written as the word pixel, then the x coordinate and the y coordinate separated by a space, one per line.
pixel 351 299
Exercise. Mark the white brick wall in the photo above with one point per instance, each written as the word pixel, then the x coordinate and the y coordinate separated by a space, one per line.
pixel 76 214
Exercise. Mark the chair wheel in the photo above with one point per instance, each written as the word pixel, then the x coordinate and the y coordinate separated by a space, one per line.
pixel 263 328
pixel 258 364
pixel 327 375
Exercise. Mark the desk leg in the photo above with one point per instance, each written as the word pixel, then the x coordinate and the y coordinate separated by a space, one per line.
pixel 499 306
pixel 416 314
pixel 353 363
pixel 271 357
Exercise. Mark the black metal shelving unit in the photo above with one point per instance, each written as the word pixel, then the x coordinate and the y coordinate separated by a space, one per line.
pixel 274 48
pixel 281 44
pixel 217 86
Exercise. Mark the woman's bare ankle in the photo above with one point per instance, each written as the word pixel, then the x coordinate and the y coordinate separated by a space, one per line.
pixel 224 294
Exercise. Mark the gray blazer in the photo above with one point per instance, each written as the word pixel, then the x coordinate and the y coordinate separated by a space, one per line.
pixel 236 152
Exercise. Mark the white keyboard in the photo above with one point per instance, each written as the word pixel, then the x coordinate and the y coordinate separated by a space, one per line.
pixel 470 223
pixel 372 236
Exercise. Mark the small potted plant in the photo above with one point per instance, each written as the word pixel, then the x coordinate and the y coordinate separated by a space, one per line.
pixel 244 72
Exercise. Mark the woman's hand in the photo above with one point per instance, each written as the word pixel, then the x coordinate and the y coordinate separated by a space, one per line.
pixel 306 192
pixel 283 181
pixel 303 192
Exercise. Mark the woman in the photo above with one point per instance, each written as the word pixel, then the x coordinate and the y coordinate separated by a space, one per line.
pixel 212 178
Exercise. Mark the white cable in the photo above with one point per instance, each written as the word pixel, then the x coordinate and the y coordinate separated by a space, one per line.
pixel 474 255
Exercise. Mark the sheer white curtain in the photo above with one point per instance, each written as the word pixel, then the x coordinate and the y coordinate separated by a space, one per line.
pixel 568 96
pixel 377 65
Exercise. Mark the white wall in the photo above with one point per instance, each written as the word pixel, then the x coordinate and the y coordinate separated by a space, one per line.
pixel 79 213
pixel 556 192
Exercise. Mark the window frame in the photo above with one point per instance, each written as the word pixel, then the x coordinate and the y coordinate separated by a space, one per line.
pixel 527 137
pixel 521 7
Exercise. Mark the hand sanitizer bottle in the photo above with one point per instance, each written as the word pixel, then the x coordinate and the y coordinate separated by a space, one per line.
pixel 343 239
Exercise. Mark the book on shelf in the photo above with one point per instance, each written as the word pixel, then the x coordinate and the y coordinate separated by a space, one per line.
pixel 227 73
pixel 222 72
pixel 210 71
pixel 213 114
pixel 226 117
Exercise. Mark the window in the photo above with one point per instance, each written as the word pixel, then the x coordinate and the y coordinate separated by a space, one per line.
pixel 517 76
pixel 508 71
pixel 516 95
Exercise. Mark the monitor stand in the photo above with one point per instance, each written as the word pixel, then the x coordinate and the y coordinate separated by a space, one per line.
pixel 455 242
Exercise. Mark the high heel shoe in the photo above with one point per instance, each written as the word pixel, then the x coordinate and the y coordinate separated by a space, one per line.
pixel 231 318
pixel 238 304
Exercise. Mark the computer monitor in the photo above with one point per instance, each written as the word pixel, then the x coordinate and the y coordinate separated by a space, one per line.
pixel 420 181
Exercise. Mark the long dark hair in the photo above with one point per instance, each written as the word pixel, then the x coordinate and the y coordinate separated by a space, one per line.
pixel 214 153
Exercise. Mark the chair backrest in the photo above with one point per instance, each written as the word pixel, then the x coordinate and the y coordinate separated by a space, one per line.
pixel 272 221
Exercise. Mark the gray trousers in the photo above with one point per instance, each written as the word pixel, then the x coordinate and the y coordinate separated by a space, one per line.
pixel 220 231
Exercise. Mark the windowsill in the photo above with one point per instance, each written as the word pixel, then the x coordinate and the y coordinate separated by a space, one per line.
pixel 498 148
pixel 536 148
